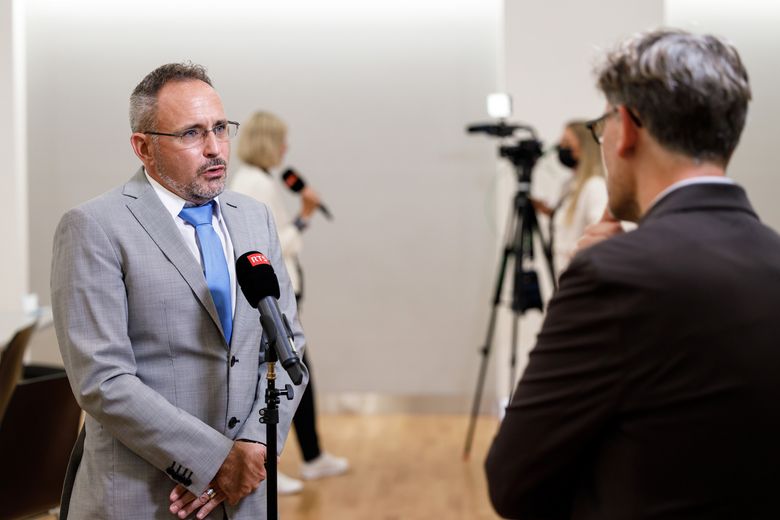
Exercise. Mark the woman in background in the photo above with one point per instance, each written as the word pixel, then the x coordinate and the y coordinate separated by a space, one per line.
pixel 262 146
pixel 584 197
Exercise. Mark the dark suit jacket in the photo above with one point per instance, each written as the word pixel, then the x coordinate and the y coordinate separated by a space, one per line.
pixel 654 387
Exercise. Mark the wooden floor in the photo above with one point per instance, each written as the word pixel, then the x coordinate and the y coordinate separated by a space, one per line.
pixel 404 467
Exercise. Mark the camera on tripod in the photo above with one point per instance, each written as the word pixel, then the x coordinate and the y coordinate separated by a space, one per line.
pixel 520 234
pixel 523 153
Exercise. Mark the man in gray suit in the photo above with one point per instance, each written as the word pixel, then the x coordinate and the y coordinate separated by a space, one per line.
pixel 162 351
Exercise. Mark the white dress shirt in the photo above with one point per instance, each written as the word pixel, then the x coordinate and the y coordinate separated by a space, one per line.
pixel 174 204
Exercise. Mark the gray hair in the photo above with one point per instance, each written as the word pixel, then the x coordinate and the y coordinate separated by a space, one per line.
pixel 143 100
pixel 690 91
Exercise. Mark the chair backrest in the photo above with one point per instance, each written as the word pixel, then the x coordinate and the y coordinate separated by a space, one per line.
pixel 11 365
pixel 36 439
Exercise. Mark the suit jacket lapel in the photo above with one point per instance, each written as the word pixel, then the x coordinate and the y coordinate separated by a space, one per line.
pixel 145 205
pixel 246 318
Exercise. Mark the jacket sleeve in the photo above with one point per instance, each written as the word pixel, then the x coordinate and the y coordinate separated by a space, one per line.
pixel 90 307
pixel 567 394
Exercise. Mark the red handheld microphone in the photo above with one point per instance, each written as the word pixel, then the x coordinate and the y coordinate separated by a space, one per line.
pixel 292 180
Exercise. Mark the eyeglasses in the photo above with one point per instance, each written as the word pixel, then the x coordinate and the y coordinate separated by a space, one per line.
pixel 596 126
pixel 193 136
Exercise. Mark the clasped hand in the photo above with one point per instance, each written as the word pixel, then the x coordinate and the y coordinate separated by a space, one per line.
pixel 240 474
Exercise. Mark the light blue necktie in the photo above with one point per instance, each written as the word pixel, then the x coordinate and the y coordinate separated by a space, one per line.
pixel 214 264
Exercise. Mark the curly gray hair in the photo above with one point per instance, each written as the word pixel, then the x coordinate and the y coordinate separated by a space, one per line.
pixel 690 91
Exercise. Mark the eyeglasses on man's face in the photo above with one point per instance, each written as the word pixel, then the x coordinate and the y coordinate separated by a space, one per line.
pixel 223 131
pixel 596 126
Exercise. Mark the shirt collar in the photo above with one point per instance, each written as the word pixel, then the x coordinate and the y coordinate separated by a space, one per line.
pixel 707 179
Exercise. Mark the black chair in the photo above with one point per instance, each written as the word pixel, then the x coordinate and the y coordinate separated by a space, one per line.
pixel 36 437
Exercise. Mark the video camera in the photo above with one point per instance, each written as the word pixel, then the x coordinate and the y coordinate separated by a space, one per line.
pixel 523 153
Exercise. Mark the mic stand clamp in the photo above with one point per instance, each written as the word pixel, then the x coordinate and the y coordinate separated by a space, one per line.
pixel 270 417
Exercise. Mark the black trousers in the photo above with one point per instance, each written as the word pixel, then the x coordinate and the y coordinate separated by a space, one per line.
pixel 305 420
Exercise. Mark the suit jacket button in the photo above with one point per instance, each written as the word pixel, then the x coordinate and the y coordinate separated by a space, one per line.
pixel 233 360
pixel 233 422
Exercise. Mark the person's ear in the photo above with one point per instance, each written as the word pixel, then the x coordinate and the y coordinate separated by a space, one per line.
pixel 628 133
pixel 141 144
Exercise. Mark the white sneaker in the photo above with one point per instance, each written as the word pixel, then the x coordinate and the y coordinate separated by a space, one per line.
pixel 287 485
pixel 326 465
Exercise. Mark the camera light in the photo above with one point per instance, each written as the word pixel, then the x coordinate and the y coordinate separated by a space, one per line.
pixel 499 105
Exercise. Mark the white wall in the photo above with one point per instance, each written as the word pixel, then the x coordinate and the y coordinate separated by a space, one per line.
pixel 752 25
pixel 377 95
pixel 552 48
pixel 14 272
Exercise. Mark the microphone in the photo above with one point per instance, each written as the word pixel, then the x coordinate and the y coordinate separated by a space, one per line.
pixel 294 181
pixel 260 286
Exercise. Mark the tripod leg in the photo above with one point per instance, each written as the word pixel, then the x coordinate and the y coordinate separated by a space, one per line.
pixel 485 351
pixel 513 355
pixel 510 230
pixel 513 245
pixel 520 298
pixel 546 246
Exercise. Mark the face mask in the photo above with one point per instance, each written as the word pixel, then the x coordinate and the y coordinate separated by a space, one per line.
pixel 566 157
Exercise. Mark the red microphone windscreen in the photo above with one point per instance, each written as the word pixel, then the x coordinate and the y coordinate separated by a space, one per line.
pixel 293 180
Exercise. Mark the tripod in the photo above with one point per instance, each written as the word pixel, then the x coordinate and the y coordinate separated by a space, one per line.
pixel 519 244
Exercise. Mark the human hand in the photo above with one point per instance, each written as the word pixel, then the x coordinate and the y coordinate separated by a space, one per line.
pixel 607 227
pixel 184 503
pixel 310 202
pixel 540 206
pixel 242 471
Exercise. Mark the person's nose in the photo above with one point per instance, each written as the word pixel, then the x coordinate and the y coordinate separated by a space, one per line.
pixel 211 145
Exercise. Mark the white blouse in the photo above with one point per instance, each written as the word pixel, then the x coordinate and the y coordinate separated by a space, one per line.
pixel 256 183
pixel 589 210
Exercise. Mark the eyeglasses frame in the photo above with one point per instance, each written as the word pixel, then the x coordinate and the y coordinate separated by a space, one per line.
pixel 599 122
pixel 180 135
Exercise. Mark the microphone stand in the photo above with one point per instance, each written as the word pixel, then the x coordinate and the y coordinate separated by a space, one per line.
pixel 270 417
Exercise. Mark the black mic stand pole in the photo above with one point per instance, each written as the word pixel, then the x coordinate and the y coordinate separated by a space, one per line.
pixel 270 417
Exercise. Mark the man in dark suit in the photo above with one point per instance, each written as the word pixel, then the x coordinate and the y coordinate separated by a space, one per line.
pixel 652 391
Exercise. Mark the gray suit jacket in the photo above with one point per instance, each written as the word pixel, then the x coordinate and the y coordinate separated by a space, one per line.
pixel 146 357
